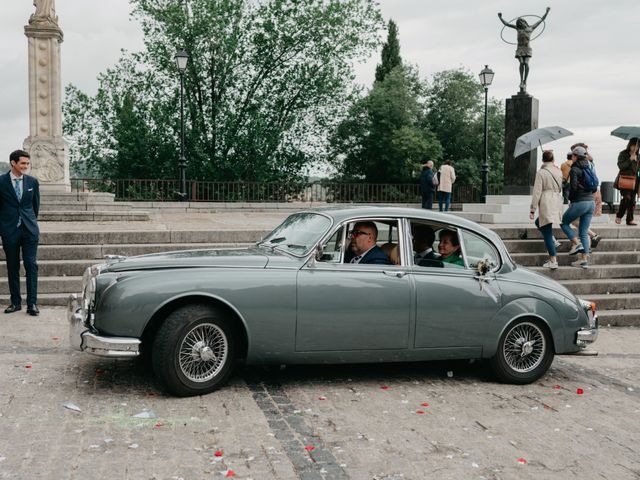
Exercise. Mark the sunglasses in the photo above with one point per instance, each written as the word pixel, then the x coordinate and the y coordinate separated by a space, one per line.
pixel 355 233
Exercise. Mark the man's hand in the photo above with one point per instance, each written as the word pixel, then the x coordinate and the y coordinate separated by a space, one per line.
pixel 531 215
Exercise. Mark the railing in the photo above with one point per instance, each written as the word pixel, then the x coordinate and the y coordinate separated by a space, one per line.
pixel 132 190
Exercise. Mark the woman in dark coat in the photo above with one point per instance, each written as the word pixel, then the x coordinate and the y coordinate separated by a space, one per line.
pixel 628 165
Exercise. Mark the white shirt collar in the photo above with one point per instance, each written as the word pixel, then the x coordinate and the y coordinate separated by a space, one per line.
pixel 363 254
pixel 13 177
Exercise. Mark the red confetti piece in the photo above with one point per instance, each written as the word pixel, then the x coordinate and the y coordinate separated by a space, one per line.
pixel 522 461
pixel 384 387
pixel 158 425
pixel 322 397
pixel 28 365
pixel 424 404
pixel 579 391
pixel 420 412
pixel 557 387
pixel 230 473
pixel 219 453
pixel 309 448
pixel 55 338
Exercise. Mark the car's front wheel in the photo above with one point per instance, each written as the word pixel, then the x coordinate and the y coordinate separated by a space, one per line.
pixel 193 351
pixel 525 352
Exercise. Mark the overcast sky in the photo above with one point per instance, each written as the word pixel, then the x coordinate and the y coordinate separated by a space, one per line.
pixel 584 69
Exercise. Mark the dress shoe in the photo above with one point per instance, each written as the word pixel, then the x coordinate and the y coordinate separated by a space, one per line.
pixel 33 310
pixel 12 308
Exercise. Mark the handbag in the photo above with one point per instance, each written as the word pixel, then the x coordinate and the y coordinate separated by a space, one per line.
pixel 625 182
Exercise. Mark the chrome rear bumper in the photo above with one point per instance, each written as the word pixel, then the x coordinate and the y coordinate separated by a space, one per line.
pixel 82 338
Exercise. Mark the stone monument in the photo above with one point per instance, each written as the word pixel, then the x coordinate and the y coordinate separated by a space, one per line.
pixel 521 113
pixel 49 162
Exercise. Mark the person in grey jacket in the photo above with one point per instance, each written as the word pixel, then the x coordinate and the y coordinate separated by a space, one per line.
pixel 582 207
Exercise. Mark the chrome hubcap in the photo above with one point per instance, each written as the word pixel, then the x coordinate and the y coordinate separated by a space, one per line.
pixel 203 352
pixel 524 347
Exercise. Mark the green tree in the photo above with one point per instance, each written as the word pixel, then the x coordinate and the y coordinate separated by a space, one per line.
pixel 455 113
pixel 264 83
pixel 385 137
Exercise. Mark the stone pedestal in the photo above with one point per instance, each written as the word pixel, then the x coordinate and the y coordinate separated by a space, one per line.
pixel 48 150
pixel 521 116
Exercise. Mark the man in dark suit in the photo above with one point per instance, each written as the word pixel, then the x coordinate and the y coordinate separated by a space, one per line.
pixel 363 245
pixel 427 185
pixel 422 237
pixel 19 205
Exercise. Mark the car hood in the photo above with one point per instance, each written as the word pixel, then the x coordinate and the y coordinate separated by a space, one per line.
pixel 244 258
pixel 524 275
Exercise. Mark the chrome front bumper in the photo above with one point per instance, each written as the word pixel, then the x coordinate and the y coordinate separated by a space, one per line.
pixel 81 336
pixel 587 336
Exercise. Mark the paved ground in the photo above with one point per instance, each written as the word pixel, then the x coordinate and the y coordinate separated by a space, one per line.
pixel 358 422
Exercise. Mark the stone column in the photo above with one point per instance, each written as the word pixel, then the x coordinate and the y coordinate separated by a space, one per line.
pixel 48 150
pixel 521 116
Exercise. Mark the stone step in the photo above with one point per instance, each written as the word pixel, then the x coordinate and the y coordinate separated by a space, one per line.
pixel 593 272
pixel 615 301
pixel 150 236
pixel 74 206
pixel 606 244
pixel 96 253
pixel 596 258
pixel 69 197
pixel 93 216
pixel 528 231
pixel 44 299
pixel 586 287
pixel 619 318
pixel 65 285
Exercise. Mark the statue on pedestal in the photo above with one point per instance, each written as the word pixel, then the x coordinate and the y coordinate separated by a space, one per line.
pixel 45 12
pixel 523 50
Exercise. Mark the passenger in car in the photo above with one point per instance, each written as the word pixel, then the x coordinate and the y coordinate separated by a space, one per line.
pixel 449 248
pixel 392 251
pixel 363 245
pixel 422 237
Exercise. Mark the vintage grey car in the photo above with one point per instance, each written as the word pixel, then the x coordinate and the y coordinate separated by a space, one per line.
pixel 295 298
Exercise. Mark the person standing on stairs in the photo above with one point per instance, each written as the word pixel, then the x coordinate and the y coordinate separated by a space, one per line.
pixel 547 199
pixel 19 206
pixel 628 165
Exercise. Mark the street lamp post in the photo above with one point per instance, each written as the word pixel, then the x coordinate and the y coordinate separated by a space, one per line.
pixel 181 59
pixel 486 77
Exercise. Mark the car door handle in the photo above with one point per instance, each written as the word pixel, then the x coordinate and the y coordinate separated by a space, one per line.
pixel 394 274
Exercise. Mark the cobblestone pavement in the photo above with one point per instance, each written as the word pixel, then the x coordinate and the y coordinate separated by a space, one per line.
pixel 411 421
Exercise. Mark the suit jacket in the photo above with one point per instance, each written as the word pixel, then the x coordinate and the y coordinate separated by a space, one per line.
pixel 12 209
pixel 426 180
pixel 376 255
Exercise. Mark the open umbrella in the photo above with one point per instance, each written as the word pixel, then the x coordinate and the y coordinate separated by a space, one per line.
pixel 538 137
pixel 626 133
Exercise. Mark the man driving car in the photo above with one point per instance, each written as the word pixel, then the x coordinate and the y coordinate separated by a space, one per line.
pixel 363 245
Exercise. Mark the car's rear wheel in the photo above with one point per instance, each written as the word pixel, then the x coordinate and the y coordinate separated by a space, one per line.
pixel 194 350
pixel 525 352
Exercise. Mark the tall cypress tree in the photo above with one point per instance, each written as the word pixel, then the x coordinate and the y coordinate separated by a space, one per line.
pixel 390 53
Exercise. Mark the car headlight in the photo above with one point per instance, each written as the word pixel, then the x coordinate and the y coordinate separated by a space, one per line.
pixel 590 309
pixel 89 291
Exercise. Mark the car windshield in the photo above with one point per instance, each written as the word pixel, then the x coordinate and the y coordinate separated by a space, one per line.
pixel 298 233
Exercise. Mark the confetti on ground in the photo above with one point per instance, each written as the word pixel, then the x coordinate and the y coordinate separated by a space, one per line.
pixel 309 448
pixel 384 387
pixel 158 425
pixel 71 406
pixel 55 338
pixel 134 446
pixel 522 461
pixel 556 387
pixel 424 404
pixel 28 365
pixel 579 391
pixel 420 412
pixel 229 473
pixel 146 414
pixel 322 397
pixel 218 453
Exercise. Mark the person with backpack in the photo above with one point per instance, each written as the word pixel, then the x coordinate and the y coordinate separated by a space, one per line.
pixel 628 165
pixel 428 184
pixel 583 184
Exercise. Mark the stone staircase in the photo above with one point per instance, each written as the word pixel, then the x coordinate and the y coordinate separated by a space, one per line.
pixel 612 281
pixel 87 207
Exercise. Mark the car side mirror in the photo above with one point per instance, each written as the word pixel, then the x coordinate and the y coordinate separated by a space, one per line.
pixel 319 252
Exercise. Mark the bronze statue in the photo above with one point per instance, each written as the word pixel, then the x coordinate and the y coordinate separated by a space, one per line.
pixel 523 51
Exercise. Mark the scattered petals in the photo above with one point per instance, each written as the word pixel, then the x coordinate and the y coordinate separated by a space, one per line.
pixel 218 453
pixel 229 473
pixel 56 338
pixel 322 397
pixel 420 412
pixel 522 461
pixel 28 365
pixel 384 387
pixel 556 387
pixel 579 391
pixel 158 425
pixel 309 448
pixel 424 404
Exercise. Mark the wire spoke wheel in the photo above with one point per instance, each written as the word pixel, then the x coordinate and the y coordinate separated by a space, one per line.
pixel 203 352
pixel 524 347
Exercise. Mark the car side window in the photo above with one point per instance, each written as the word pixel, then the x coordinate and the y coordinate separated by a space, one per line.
pixel 478 249
pixel 365 234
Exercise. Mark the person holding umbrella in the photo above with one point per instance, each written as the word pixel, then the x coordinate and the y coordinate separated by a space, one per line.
pixel 628 166
pixel 547 199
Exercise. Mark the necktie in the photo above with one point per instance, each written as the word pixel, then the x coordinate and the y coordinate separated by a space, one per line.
pixel 17 185
pixel 356 259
